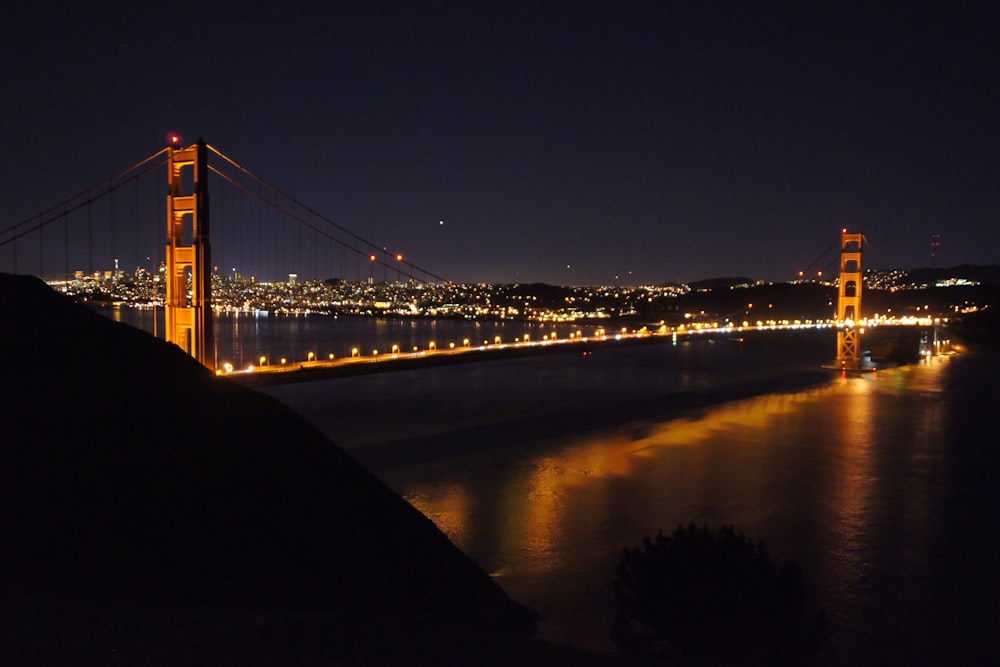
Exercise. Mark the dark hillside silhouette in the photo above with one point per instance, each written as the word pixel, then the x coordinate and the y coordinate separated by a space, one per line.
pixel 131 475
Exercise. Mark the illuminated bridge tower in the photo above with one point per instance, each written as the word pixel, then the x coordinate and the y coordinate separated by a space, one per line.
pixel 189 321
pixel 849 302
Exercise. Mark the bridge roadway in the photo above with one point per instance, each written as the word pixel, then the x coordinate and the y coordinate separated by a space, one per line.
pixel 320 369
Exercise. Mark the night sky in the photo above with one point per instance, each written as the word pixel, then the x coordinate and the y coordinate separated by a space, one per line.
pixel 563 142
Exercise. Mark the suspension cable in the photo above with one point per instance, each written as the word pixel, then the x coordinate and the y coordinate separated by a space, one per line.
pixel 314 228
pixel 343 229
pixel 83 193
pixel 86 202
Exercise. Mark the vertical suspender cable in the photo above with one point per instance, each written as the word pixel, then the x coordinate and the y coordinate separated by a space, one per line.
pixel 258 216
pixel 65 245
pixel 114 230
pixel 90 239
pixel 219 230
pixel 237 236
pixel 135 225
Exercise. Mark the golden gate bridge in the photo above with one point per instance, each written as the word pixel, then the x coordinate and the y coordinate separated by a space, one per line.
pixel 248 224
pixel 250 227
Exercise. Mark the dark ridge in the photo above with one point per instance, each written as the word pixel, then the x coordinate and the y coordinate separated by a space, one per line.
pixel 988 274
pixel 724 282
pixel 133 478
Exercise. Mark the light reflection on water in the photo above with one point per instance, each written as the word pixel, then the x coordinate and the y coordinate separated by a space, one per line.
pixel 544 469
pixel 844 478
pixel 243 338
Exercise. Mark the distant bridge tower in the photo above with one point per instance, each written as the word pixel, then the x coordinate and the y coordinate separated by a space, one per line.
pixel 189 322
pixel 849 301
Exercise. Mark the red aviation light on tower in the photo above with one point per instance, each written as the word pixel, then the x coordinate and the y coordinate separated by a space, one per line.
pixel 174 139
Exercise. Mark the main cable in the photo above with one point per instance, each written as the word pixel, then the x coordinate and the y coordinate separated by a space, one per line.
pixel 343 229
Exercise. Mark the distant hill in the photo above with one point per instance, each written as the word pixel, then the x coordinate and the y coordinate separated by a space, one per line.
pixel 132 478
pixel 988 274
pixel 720 283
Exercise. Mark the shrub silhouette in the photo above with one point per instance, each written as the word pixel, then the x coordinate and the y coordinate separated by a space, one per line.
pixel 713 599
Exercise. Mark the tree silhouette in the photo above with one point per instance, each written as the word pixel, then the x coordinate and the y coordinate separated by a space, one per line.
pixel 705 598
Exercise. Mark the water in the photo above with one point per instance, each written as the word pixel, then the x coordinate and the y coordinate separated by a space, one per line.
pixel 542 470
pixel 881 486
pixel 242 339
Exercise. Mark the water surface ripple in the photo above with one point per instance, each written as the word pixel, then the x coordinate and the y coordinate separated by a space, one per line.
pixel 543 469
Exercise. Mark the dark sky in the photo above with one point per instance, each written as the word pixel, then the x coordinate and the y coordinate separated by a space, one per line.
pixel 566 142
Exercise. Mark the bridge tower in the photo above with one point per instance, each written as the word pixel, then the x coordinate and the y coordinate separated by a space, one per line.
pixel 189 321
pixel 849 301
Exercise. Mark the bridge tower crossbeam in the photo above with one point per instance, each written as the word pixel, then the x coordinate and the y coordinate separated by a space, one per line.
pixel 188 255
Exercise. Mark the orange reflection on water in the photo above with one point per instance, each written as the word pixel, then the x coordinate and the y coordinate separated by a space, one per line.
pixel 447 506
pixel 576 479
pixel 841 477
pixel 570 481
pixel 739 418
pixel 853 480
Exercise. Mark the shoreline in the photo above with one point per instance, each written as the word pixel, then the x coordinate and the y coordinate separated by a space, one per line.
pixel 424 448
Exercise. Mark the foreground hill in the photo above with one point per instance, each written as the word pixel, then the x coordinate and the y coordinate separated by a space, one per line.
pixel 152 513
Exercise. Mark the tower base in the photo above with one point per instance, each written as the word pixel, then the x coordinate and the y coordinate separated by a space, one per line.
pixel 851 367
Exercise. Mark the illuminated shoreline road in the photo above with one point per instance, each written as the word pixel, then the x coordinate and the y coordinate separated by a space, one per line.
pixel 271 371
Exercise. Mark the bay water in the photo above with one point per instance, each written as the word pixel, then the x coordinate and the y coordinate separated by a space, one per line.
pixel 883 487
